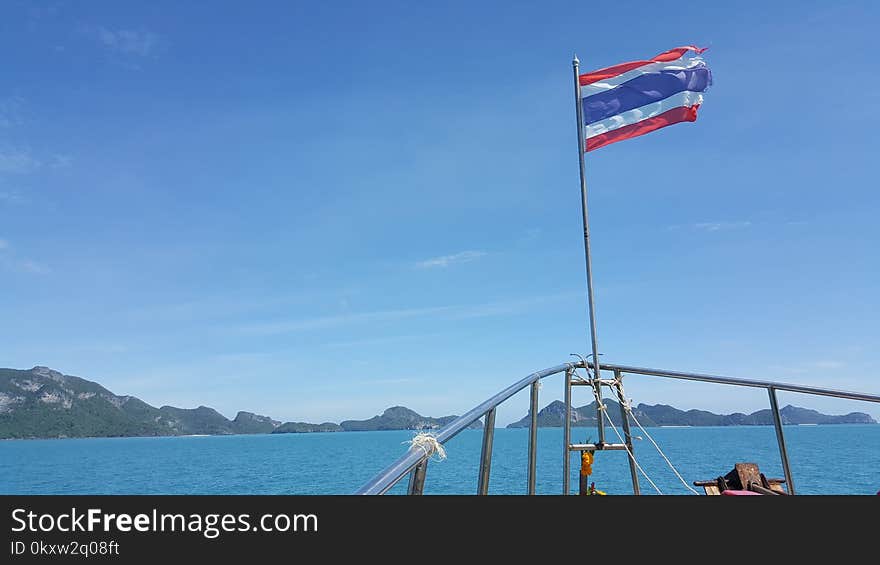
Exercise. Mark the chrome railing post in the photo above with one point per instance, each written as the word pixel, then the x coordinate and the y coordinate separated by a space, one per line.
pixel 417 478
pixel 600 413
pixel 624 414
pixel 566 434
pixel 533 435
pixel 780 438
pixel 486 453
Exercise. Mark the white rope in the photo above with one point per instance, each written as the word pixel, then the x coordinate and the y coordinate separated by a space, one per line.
pixel 428 444
pixel 623 442
pixel 663 455
pixel 625 446
pixel 628 408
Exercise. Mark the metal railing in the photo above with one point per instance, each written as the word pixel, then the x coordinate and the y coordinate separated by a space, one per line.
pixel 391 475
pixel 415 461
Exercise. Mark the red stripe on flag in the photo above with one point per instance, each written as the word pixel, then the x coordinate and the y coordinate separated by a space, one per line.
pixel 674 116
pixel 608 72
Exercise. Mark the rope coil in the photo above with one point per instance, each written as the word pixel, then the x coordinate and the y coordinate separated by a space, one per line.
pixel 429 445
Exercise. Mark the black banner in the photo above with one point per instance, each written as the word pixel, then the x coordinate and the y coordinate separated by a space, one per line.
pixel 248 529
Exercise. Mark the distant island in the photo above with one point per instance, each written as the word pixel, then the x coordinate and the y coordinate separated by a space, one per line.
pixel 44 403
pixel 553 415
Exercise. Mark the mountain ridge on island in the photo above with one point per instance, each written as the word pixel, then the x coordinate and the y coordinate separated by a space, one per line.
pixel 553 415
pixel 44 403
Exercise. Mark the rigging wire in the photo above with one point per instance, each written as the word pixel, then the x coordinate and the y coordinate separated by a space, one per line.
pixel 629 411
pixel 630 453
pixel 622 441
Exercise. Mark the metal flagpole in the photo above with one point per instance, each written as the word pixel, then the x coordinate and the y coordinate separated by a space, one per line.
pixel 575 63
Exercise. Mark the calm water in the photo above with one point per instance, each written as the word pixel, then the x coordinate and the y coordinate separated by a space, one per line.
pixel 840 459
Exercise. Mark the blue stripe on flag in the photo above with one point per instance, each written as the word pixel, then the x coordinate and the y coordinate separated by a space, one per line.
pixel 643 90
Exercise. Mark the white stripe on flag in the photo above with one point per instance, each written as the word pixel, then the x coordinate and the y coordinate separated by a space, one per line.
pixel 685 62
pixel 686 98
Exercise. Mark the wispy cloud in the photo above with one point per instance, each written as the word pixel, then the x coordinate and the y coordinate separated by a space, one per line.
pixel 18 161
pixel 92 347
pixel 510 307
pixel 455 312
pixel 139 43
pixel 10 262
pixel 447 260
pixel 722 226
pixel 532 234
pixel 129 42
pixel 60 161
pixel 33 267
pixel 324 322
pixel 732 225
pixel 814 367
pixel 11 111
pixel 226 305
pixel 11 197
pixel 391 339
pixel 828 364
pixel 246 357
pixel 390 381
pixel 27 266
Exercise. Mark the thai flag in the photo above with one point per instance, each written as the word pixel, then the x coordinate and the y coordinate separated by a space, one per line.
pixel 632 99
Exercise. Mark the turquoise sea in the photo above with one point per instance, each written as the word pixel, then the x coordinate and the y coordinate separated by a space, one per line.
pixel 834 459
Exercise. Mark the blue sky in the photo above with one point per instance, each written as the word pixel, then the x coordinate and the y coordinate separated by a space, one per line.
pixel 319 210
